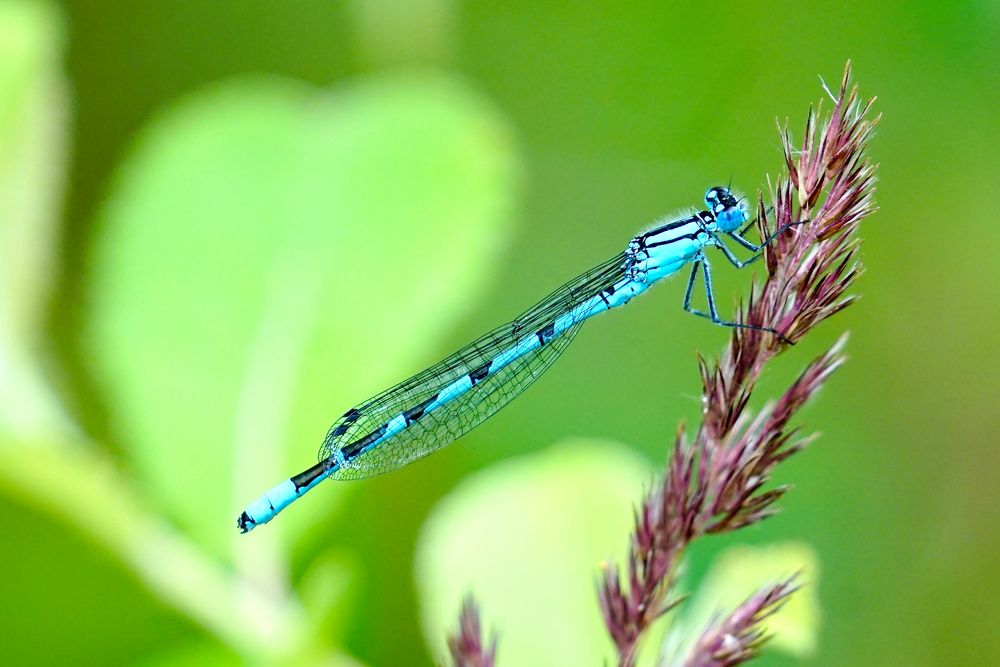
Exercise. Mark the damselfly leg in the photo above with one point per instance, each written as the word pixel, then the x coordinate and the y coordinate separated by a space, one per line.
pixel 737 236
pixel 713 314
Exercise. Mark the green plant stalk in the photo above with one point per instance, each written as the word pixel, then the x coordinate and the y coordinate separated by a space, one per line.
pixel 75 481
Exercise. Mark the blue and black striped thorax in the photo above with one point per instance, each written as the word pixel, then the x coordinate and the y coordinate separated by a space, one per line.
pixel 672 243
pixel 658 251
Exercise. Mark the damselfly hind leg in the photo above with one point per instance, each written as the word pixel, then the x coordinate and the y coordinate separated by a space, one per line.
pixel 713 314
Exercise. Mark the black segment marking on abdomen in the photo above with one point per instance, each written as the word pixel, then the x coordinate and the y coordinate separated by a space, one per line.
pixel 307 477
pixel 545 333
pixel 480 373
pixel 417 411
pixel 349 418
pixel 352 450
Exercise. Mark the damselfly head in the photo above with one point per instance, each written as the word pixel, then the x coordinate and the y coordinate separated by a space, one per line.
pixel 730 213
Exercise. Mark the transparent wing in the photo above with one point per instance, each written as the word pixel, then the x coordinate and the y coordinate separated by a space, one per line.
pixel 459 416
pixel 443 425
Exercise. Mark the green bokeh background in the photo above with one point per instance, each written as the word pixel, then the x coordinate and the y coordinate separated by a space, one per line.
pixel 603 117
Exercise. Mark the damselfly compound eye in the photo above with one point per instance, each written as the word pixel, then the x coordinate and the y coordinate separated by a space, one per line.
pixel 719 198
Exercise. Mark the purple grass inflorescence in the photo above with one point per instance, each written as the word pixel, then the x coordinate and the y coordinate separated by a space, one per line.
pixel 738 637
pixel 466 647
pixel 715 483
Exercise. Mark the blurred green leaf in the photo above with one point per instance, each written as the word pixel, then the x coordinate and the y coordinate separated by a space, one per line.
pixel 273 253
pixel 527 537
pixel 32 161
pixel 739 572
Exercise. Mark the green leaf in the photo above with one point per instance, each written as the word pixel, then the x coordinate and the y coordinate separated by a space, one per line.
pixel 271 255
pixel 739 572
pixel 32 162
pixel 527 538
